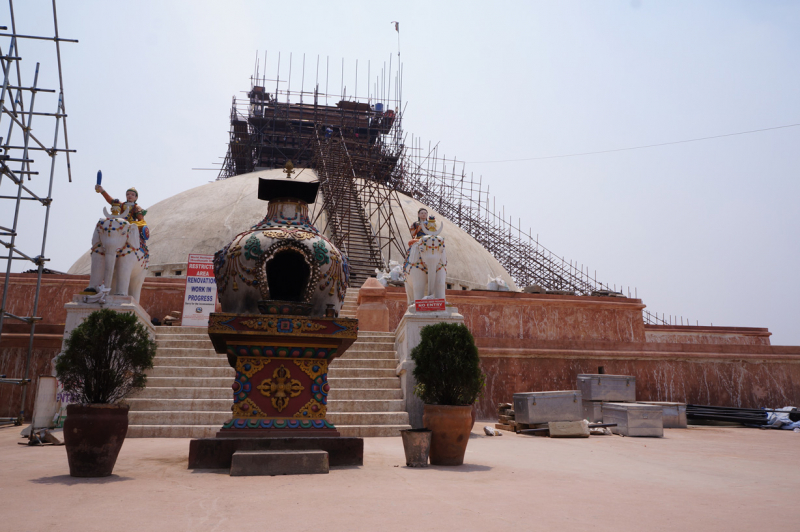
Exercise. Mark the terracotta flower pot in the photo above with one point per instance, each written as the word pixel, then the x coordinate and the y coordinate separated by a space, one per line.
pixel 93 436
pixel 450 426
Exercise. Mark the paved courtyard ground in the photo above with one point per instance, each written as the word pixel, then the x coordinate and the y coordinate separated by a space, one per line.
pixel 701 478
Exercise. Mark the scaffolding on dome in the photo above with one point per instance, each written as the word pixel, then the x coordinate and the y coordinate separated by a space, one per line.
pixel 353 142
pixel 360 152
pixel 27 167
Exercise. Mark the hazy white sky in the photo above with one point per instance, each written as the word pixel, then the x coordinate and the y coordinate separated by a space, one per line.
pixel 707 230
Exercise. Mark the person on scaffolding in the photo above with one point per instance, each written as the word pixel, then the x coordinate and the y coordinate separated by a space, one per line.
pixel 135 212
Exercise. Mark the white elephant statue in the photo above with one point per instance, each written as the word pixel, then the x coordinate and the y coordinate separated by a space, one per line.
pixel 118 260
pixel 395 271
pixel 394 275
pixel 382 277
pixel 497 284
pixel 425 268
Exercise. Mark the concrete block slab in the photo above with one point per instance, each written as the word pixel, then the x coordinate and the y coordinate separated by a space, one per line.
pixel 270 463
pixel 569 429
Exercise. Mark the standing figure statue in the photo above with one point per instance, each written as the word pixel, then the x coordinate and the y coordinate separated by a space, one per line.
pixel 135 212
pixel 425 268
pixel 119 254
pixel 416 227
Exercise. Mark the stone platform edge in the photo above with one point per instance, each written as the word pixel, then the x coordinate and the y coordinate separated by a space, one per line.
pixel 217 453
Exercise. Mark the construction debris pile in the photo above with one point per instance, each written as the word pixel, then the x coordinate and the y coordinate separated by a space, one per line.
pixel 600 403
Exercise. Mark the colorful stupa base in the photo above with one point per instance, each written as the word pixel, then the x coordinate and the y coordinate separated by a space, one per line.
pixel 281 362
pixel 248 428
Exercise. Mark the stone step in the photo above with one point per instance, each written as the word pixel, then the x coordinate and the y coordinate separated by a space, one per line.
pixel 209 431
pixel 219 361
pixel 224 405
pixel 371 363
pixel 162 394
pixel 342 394
pixel 264 463
pixel 371 346
pixel 367 418
pixel 362 355
pixel 177 417
pixel 181 336
pixel 366 405
pixel 172 431
pixel 370 431
pixel 185 344
pixel 177 329
pixel 191 352
pixel 196 382
pixel 189 372
pixel 339 372
pixel 181 417
pixel 387 383
pixel 181 405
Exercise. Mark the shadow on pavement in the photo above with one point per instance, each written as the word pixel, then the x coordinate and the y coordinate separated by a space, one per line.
pixel 464 468
pixel 211 471
pixel 68 480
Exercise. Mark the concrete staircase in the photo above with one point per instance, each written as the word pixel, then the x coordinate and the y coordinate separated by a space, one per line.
pixel 365 398
pixel 188 392
pixel 350 303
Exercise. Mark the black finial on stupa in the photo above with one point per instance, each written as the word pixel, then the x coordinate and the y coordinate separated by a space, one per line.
pixel 270 189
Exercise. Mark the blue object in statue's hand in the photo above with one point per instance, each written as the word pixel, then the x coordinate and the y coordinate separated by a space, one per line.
pixel 99 177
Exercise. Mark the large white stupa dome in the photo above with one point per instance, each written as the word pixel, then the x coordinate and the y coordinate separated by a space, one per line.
pixel 204 219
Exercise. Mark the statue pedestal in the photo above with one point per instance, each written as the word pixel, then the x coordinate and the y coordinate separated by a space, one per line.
pixel 78 310
pixel 407 337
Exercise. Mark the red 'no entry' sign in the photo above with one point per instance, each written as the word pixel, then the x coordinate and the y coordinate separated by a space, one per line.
pixel 429 305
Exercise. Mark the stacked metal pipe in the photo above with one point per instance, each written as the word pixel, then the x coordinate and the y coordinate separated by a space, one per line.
pixel 745 416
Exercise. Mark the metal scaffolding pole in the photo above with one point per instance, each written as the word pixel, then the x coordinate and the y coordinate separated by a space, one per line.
pixel 16 147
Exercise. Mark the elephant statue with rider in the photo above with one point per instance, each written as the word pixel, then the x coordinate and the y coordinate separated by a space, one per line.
pixel 425 268
pixel 119 258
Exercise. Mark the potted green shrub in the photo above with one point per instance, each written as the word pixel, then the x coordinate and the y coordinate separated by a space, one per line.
pixel 449 381
pixel 104 361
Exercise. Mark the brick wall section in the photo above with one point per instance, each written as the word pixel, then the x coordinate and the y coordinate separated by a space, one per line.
pixel 538 316
pixel 537 342
pixel 683 334
pixel 158 298
pixel 13 355
pixel 730 375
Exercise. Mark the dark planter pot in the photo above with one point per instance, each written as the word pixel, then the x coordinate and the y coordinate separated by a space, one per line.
pixel 93 435
pixel 450 427
pixel 417 446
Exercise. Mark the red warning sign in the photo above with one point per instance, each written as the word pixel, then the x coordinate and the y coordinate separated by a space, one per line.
pixel 429 305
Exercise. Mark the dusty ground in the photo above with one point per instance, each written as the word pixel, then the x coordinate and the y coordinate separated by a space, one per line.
pixel 699 478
